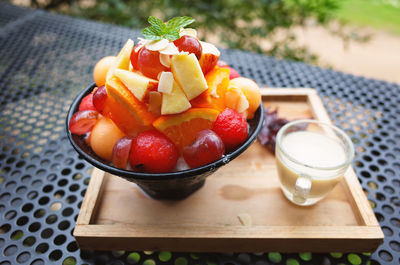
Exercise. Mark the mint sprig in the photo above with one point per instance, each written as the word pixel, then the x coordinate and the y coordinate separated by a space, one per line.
pixel 170 30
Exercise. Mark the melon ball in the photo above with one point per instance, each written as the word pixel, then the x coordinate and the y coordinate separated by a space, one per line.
pixel 103 137
pixel 101 69
pixel 251 91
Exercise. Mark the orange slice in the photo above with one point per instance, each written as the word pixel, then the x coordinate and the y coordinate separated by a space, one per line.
pixel 182 128
pixel 121 116
pixel 214 97
pixel 117 90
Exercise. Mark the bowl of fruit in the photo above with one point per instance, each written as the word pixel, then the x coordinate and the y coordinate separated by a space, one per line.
pixel 166 113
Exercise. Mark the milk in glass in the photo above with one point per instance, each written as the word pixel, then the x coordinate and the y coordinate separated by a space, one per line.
pixel 313 157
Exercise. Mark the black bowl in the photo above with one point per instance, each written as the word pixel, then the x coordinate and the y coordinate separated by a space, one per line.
pixel 173 185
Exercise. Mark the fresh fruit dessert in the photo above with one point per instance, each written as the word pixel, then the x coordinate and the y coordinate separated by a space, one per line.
pixel 167 103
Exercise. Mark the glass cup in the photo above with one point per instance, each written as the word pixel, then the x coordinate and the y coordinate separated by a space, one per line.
pixel 311 158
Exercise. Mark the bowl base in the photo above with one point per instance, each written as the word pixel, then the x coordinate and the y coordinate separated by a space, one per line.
pixel 179 193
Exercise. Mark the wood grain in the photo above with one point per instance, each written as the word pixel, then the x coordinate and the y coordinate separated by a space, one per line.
pixel 116 214
pixel 90 201
pixel 215 238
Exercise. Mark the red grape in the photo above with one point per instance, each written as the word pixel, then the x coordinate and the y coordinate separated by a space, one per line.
pixel 206 148
pixel 149 63
pixel 189 44
pixel 83 121
pixel 135 57
pixel 87 103
pixel 121 150
pixel 100 98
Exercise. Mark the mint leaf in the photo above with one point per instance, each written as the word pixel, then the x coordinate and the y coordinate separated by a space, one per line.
pixel 151 34
pixel 157 24
pixel 170 31
pixel 172 35
pixel 179 22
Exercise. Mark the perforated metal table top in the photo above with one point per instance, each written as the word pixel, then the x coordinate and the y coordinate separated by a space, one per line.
pixel 46 59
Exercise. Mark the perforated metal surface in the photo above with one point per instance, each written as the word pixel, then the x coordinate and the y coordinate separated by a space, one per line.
pixel 46 59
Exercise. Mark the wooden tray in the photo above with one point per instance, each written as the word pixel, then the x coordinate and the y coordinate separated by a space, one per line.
pixel 116 215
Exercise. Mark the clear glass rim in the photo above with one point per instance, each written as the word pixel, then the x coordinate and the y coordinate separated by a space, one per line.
pixel 349 155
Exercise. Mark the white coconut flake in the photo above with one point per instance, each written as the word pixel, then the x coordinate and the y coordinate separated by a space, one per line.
pixel 165 60
pixel 157 45
pixel 209 48
pixel 170 49
pixel 188 32
pixel 166 82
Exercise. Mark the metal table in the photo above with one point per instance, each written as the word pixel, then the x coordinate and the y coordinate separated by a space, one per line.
pixel 45 59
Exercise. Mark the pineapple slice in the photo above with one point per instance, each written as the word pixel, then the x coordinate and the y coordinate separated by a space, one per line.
pixel 174 102
pixel 187 72
pixel 139 85
pixel 122 61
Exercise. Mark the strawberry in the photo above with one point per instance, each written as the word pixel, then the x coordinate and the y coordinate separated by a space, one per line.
pixel 231 127
pixel 153 152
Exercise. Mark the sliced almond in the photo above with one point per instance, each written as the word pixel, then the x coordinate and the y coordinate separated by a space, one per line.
pixel 170 49
pixel 165 60
pixel 166 82
pixel 188 32
pixel 155 99
pixel 157 45
pixel 245 219
pixel 209 48
pixel 142 41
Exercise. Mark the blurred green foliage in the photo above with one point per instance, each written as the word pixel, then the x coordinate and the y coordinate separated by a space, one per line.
pixel 379 14
pixel 263 26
